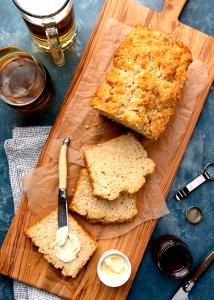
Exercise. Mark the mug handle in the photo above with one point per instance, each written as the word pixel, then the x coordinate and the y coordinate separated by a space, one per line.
pixel 54 44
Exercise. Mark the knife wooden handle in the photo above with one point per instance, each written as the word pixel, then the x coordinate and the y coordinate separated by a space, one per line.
pixel 203 266
pixel 63 164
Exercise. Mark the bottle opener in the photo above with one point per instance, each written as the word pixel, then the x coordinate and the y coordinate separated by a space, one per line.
pixel 196 182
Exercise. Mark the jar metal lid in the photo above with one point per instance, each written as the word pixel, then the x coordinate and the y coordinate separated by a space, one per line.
pixel 194 215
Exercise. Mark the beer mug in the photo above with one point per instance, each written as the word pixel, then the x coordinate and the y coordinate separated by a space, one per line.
pixel 24 82
pixel 51 23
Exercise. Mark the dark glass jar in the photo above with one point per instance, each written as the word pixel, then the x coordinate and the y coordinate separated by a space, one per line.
pixel 172 256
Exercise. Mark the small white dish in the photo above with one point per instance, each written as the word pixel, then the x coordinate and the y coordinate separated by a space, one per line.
pixel 121 279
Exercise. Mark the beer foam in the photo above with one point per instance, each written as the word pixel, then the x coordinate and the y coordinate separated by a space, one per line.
pixel 41 7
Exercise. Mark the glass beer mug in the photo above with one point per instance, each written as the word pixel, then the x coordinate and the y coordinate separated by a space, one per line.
pixel 51 23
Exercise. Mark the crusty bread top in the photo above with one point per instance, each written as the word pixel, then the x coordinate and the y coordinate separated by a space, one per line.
pixel 43 235
pixel 145 81
pixel 103 211
pixel 118 165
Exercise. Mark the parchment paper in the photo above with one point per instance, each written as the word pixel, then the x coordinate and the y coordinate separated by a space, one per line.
pixel 86 127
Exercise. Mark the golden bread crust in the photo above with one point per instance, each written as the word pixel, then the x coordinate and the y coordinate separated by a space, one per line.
pixel 145 82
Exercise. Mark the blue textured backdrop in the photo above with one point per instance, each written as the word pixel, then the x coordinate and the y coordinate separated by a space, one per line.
pixel 149 283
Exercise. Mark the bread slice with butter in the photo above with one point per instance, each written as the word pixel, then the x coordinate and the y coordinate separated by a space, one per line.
pixel 118 165
pixel 43 235
pixel 103 211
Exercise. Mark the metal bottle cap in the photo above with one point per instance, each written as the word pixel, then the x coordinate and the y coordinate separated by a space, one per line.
pixel 194 215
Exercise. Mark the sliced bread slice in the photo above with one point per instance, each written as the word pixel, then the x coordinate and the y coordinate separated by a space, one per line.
pixel 43 235
pixel 118 165
pixel 103 211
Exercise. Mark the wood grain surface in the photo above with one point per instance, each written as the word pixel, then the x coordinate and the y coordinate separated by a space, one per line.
pixel 19 258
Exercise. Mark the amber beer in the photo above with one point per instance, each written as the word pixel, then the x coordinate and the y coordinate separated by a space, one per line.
pixel 51 23
pixel 24 82
pixel 66 30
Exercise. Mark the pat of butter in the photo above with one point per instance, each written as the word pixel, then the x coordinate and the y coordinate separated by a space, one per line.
pixel 69 250
pixel 62 235
pixel 114 266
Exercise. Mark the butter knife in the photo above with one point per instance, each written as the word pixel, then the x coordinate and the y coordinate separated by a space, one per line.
pixel 183 292
pixel 62 232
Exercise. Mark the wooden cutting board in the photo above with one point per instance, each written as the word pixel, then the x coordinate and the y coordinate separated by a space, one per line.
pixel 19 259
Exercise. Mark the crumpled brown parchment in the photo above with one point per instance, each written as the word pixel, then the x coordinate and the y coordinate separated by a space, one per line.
pixel 85 127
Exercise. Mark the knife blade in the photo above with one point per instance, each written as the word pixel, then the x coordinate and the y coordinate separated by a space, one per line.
pixel 183 292
pixel 181 295
pixel 62 232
